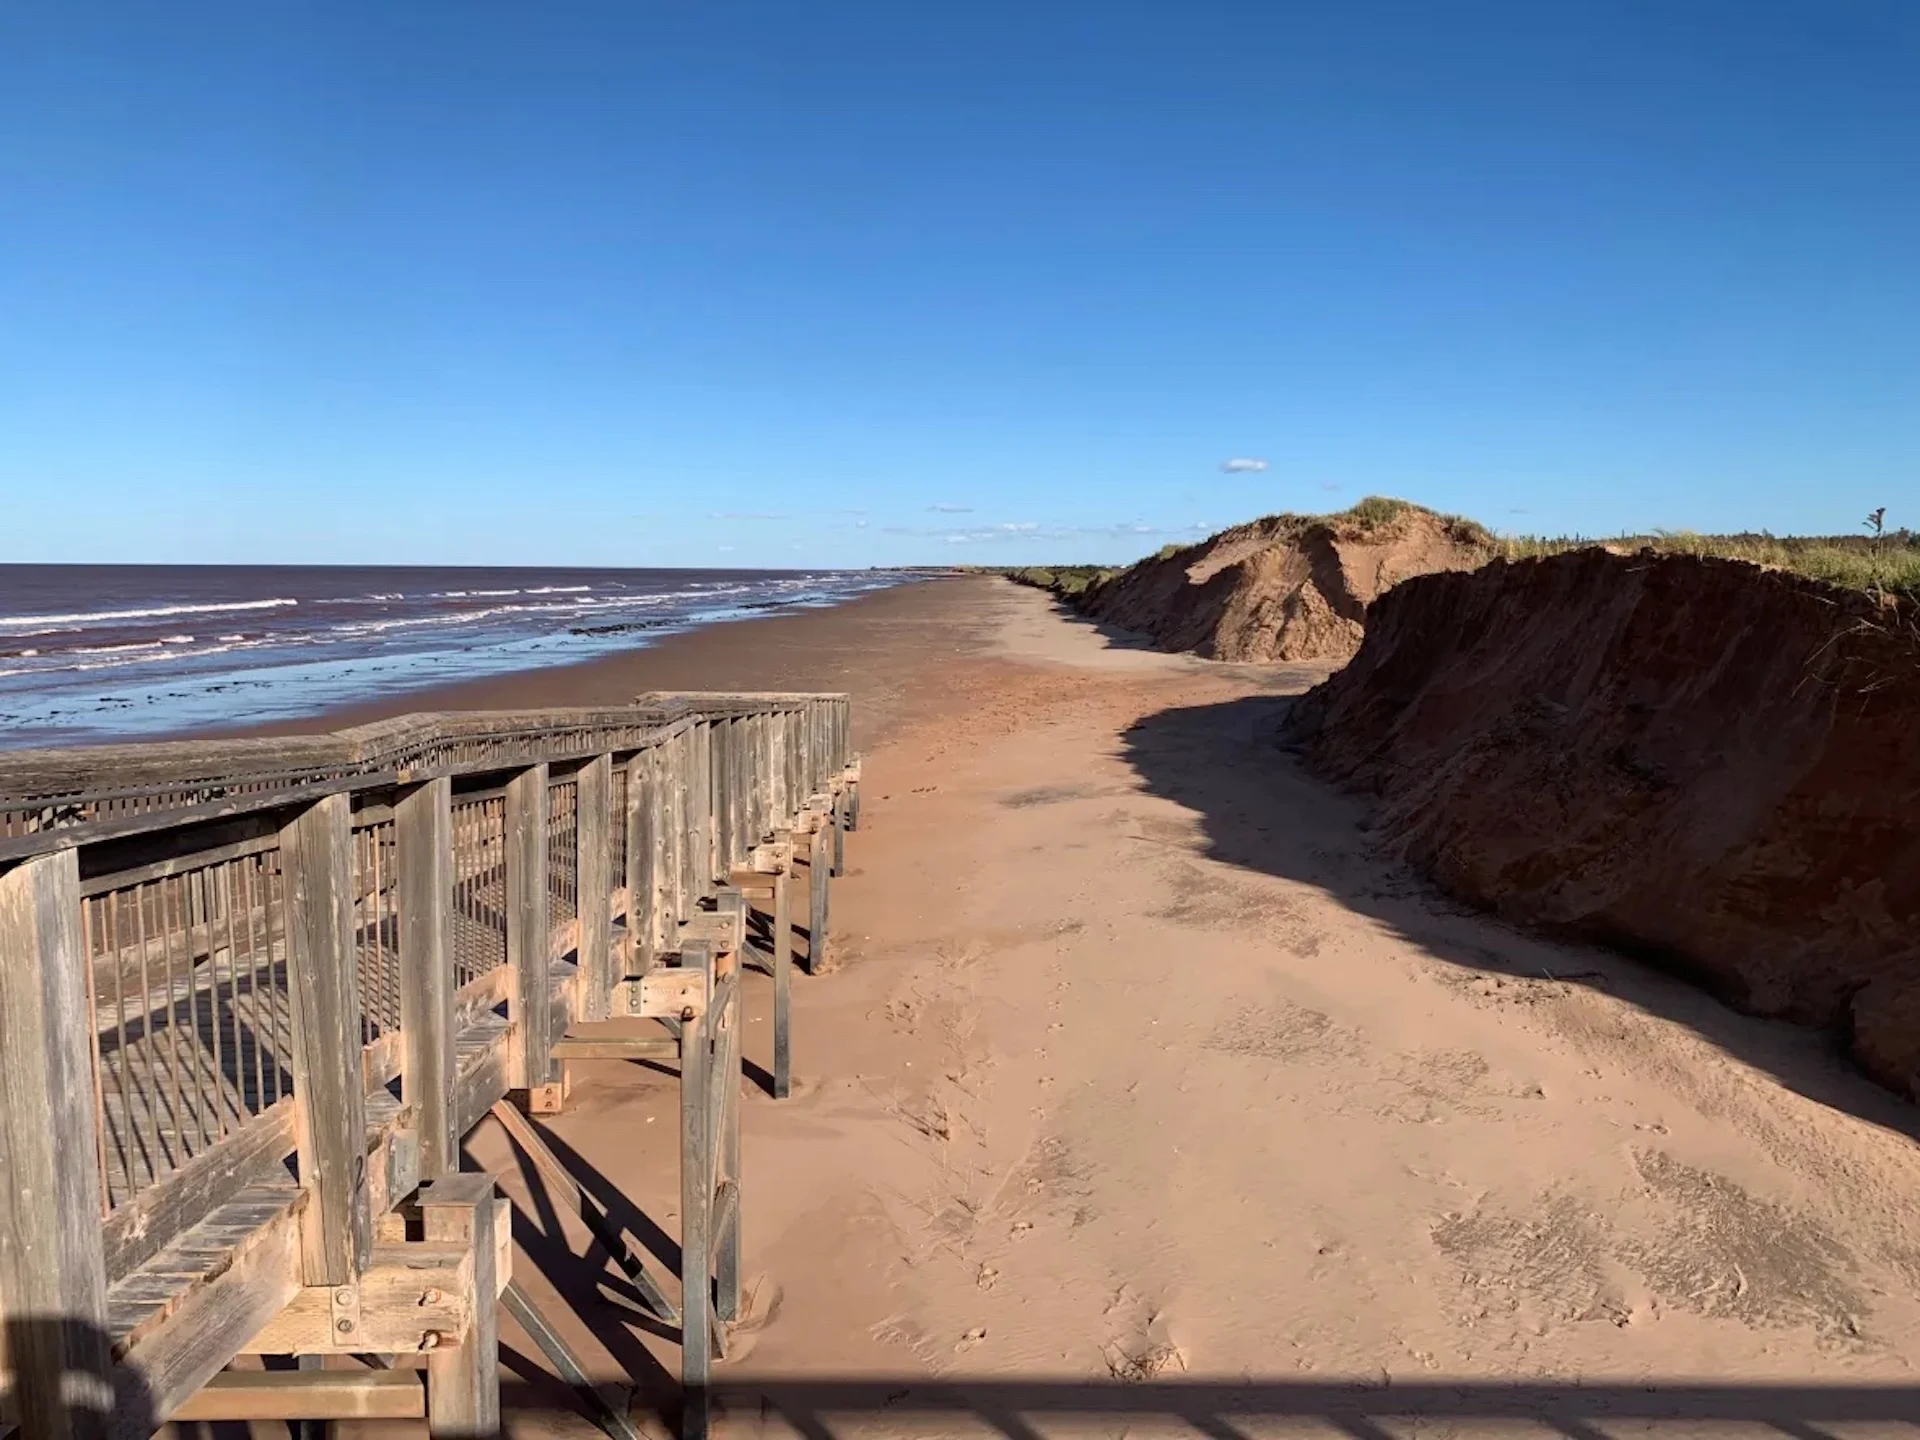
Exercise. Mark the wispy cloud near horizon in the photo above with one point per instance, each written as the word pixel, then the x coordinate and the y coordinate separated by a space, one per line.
pixel 1243 465
pixel 1023 530
pixel 951 509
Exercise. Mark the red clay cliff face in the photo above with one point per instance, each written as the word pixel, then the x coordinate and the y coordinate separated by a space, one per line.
pixel 1712 765
pixel 1285 588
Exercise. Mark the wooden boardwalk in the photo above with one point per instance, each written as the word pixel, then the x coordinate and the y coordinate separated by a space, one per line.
pixel 253 994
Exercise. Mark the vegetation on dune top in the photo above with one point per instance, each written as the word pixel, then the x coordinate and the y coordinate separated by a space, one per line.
pixel 1068 580
pixel 1878 561
pixel 1881 562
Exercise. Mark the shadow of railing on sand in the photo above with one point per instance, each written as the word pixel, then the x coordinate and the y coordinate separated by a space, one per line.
pixel 1022 1409
pixel 1025 1409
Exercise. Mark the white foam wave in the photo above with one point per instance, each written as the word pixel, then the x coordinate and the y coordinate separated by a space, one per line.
pixel 151 653
pixel 9 624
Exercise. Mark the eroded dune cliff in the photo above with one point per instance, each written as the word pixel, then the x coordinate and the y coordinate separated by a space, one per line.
pixel 1712 765
pixel 1289 587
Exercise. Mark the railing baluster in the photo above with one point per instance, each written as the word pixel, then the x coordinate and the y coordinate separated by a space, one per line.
pixel 330 1129
pixel 528 933
pixel 593 844
pixel 643 867
pixel 423 837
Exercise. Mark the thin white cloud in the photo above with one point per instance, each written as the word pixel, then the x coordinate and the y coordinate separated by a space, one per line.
pixel 1243 465
pixel 745 515
pixel 1026 530
pixel 951 509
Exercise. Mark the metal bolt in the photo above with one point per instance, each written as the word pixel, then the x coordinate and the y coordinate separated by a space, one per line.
pixel 344 1295
pixel 432 1340
pixel 686 1013
pixel 344 1325
pixel 432 1297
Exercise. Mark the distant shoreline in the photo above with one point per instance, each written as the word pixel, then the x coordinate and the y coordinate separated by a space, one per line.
pixel 796 650
pixel 107 655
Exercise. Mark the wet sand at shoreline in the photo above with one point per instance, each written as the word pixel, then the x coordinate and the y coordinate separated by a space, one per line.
pixel 1136 1066
pixel 871 646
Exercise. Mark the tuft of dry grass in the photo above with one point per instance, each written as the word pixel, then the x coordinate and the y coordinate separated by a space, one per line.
pixel 1886 564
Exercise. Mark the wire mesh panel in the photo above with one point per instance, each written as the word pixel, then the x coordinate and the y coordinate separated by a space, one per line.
pixel 479 887
pixel 563 852
pixel 376 930
pixel 192 1025
pixel 617 825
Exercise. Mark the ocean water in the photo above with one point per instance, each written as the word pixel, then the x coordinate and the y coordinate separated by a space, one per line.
pixel 93 653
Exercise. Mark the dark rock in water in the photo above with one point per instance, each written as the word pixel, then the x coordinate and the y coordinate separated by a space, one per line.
pixel 625 627
pixel 1711 765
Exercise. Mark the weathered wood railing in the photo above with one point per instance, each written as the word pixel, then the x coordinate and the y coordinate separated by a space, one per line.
pixel 254 993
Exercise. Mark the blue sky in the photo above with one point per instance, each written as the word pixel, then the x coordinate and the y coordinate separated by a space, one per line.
pixel 886 283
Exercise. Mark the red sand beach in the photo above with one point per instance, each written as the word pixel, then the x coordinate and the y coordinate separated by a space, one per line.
pixel 1137 1064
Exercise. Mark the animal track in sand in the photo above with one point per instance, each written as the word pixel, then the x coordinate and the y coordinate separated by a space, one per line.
pixel 1695 1240
pixel 1206 900
pixel 1051 795
pixel 1140 1346
pixel 1550 1258
pixel 1051 1178
pixel 1419 1087
pixel 1723 1252
pixel 1282 1031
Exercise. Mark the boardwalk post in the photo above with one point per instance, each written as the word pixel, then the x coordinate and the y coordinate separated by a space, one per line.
pixel 817 870
pixel 595 888
pixel 323 988
pixel 52 1268
pixel 643 868
pixel 423 838
pixel 463 1381
pixel 726 1155
pixel 529 932
pixel 696 1204
pixel 783 978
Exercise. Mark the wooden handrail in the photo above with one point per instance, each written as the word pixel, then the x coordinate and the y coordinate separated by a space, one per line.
pixel 53 799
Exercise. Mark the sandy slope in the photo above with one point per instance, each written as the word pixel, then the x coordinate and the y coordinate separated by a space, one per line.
pixel 1138 1069
pixel 1288 587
